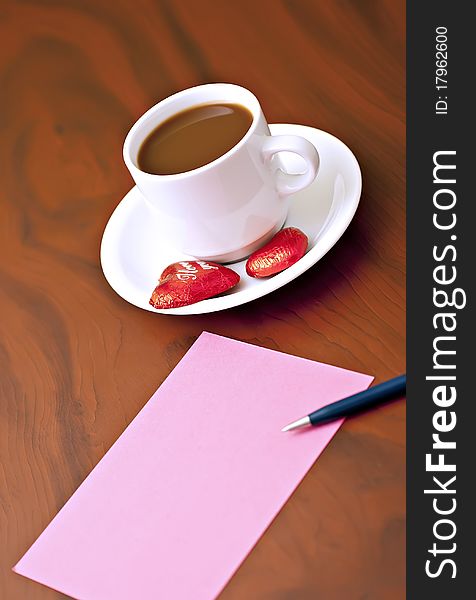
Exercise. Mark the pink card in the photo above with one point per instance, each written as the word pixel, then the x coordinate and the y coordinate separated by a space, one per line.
pixel 184 494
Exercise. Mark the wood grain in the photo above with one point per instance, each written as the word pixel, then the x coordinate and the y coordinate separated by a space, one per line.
pixel 77 362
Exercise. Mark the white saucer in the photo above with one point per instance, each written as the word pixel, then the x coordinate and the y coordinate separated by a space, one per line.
pixel 133 257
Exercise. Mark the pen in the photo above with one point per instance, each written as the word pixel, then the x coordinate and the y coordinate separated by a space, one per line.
pixel 375 395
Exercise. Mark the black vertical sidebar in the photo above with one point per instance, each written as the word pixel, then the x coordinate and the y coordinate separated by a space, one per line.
pixel 441 274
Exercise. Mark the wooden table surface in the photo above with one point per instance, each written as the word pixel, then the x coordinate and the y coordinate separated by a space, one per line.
pixel 77 362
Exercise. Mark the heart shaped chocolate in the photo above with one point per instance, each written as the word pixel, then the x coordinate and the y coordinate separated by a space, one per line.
pixel 282 251
pixel 187 282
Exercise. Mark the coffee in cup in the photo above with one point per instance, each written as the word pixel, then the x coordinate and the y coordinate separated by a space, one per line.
pixel 193 138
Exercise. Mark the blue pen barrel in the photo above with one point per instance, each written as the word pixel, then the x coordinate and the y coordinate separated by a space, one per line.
pixel 375 395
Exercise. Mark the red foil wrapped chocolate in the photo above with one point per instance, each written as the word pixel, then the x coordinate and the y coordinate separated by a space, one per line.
pixel 282 251
pixel 187 282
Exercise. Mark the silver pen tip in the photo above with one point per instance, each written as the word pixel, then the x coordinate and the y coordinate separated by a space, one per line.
pixel 304 422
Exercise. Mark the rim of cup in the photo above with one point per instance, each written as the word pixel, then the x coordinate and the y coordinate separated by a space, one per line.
pixel 139 132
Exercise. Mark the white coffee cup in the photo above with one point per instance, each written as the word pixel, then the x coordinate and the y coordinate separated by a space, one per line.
pixel 231 206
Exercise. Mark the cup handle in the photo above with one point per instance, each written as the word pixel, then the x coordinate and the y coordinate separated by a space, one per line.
pixel 287 183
